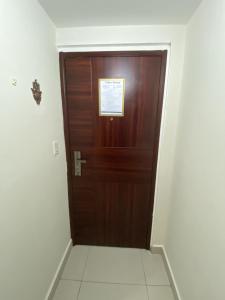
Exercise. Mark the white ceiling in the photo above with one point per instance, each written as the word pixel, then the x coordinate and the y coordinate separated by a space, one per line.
pixel 71 13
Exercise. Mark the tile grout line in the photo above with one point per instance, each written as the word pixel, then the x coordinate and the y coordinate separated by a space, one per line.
pixel 116 283
pixel 82 277
pixel 142 262
pixel 79 290
pixel 85 264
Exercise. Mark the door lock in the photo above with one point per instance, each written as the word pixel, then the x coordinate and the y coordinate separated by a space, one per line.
pixel 78 162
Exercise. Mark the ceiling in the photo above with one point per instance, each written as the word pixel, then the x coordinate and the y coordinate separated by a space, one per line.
pixel 72 13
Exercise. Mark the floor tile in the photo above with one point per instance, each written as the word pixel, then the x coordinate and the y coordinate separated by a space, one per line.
pixel 160 293
pixel 114 265
pixel 154 269
pixel 74 268
pixel 101 291
pixel 67 290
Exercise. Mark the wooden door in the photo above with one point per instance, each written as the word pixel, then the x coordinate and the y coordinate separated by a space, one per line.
pixel 111 204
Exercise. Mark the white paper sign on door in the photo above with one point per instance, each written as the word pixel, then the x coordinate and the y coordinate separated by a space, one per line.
pixel 111 97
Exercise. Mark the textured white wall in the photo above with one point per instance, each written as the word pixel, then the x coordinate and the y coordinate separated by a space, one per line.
pixel 195 239
pixel 145 38
pixel 34 227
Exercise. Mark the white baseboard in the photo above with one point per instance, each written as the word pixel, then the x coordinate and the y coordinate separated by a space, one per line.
pixel 160 249
pixel 58 272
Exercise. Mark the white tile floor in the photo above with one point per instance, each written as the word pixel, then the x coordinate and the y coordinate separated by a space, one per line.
pixel 102 273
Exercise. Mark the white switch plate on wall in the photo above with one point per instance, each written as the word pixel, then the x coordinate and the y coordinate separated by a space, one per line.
pixel 55 148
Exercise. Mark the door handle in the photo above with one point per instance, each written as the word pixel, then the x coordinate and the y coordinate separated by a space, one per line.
pixel 78 162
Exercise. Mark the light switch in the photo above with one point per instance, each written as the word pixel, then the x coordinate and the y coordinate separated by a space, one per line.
pixel 55 148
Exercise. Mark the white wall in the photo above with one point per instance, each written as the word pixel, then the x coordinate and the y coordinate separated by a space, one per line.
pixel 136 38
pixel 196 233
pixel 34 227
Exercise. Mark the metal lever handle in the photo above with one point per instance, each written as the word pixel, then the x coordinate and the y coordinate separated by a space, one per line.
pixel 82 161
pixel 78 162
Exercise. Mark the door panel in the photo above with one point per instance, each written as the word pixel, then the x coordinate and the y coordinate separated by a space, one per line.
pixel 111 203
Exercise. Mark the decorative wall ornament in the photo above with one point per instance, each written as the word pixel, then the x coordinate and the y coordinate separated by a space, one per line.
pixel 36 92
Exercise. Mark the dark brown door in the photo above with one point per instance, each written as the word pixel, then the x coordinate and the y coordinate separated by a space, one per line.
pixel 111 203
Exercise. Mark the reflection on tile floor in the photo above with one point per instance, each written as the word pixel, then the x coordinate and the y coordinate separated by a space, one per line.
pixel 104 273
